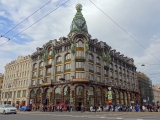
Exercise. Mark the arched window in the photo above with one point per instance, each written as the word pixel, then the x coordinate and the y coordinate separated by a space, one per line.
pixel 79 91
pixel 99 94
pixel 90 57
pixel 35 66
pixel 90 97
pixel 59 59
pixel 68 56
pixel 97 60
pixel 66 94
pixel 57 95
pixel 32 94
pixel 79 44
pixel 41 64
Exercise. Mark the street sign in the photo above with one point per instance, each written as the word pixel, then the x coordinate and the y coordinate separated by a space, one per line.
pixel 109 96
pixel 109 101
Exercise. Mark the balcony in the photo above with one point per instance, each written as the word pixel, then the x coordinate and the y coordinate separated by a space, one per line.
pixel 79 69
pixel 41 67
pixel 91 71
pixel 80 59
pixel 46 84
pixel 48 74
pixel 98 64
pixel 91 61
pixel 58 62
pixel 58 72
pixel 67 70
pixel 68 60
pixel 106 67
pixel 80 80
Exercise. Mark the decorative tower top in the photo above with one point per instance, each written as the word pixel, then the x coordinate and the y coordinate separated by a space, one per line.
pixel 79 23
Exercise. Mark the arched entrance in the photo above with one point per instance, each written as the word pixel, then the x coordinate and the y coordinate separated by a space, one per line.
pixel 117 96
pixel 113 97
pixel 32 97
pixel 79 97
pixel 57 95
pixel 67 95
pixel 121 98
pixel 38 97
pixel 47 97
pixel 129 99
pixel 125 98
pixel 99 96
pixel 90 97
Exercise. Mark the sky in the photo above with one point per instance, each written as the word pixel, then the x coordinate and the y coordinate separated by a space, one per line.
pixel 138 18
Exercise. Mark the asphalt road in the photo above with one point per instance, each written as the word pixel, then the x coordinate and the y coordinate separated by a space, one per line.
pixel 79 116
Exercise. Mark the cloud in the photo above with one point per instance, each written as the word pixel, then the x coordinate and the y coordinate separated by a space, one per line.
pixel 138 18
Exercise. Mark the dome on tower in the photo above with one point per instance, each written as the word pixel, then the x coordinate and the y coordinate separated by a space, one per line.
pixel 78 23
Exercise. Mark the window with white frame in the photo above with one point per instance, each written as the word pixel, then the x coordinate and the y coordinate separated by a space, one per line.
pixel 41 64
pixel 91 66
pixel 67 66
pixel 48 70
pixel 80 54
pixel 98 69
pixel 67 76
pixel 98 60
pixel 41 72
pixel 79 74
pixel 58 68
pixel 79 44
pixel 33 82
pixel 98 78
pixel 50 61
pixel 57 78
pixel 68 56
pixel 59 59
pixel 39 81
pixel 91 77
pixel 90 57
pixel 79 64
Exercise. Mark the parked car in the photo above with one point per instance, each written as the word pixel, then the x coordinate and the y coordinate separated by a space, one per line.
pixel 6 108
pixel 25 108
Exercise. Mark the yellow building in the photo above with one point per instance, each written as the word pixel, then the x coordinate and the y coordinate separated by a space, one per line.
pixel 16 81
pixel 1 83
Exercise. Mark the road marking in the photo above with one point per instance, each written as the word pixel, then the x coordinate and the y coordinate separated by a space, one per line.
pixel 119 118
pixel 102 117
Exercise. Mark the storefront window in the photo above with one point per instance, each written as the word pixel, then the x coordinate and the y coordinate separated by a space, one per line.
pixel 57 95
pixel 90 98
pixel 66 94
pixel 99 94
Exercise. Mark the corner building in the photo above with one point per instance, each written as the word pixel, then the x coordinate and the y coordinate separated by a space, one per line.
pixel 78 70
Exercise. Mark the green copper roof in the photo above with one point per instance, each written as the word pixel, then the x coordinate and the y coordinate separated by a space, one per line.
pixel 78 23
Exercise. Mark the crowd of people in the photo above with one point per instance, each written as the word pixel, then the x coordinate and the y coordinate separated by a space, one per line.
pixel 97 108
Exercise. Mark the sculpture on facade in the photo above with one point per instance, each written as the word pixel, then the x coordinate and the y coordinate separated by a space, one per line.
pixel 73 46
pixel 86 46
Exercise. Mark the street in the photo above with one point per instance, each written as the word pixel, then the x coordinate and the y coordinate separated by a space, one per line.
pixel 79 116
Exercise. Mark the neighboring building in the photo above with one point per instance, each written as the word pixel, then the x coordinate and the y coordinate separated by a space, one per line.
pixel 16 81
pixel 145 87
pixel 1 83
pixel 156 93
pixel 78 70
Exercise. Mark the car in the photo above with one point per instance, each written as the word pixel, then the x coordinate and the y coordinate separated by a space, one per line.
pixel 7 108
pixel 25 108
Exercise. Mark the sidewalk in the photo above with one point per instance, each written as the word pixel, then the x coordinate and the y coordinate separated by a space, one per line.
pixel 91 112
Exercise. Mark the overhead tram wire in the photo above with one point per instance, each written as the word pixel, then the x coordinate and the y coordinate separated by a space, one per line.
pixel 34 23
pixel 24 19
pixel 124 30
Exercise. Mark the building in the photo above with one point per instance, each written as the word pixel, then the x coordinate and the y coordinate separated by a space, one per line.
pixel 16 81
pixel 80 71
pixel 1 83
pixel 156 93
pixel 145 87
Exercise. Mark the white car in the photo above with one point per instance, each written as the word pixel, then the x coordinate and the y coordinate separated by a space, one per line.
pixel 6 108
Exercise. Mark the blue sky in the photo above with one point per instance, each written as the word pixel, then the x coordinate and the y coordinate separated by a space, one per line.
pixel 138 18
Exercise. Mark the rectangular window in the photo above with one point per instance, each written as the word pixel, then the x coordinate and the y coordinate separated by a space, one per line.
pixel 67 66
pixel 79 75
pixel 79 64
pixel 98 69
pixel 19 93
pixel 49 61
pixel 39 81
pixel 91 66
pixel 91 77
pixel 24 93
pixel 58 68
pixel 80 54
pixel 41 72
pixel 57 78
pixel 33 82
pixel 48 70
pixel 49 79
pixel 14 94
pixel 67 76
pixel 34 74
pixel 98 78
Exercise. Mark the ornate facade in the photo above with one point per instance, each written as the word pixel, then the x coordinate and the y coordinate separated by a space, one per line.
pixel 78 70
pixel 16 81
pixel 156 94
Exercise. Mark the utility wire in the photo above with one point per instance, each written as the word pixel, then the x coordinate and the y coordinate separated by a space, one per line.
pixel 124 31
pixel 24 20
pixel 34 23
